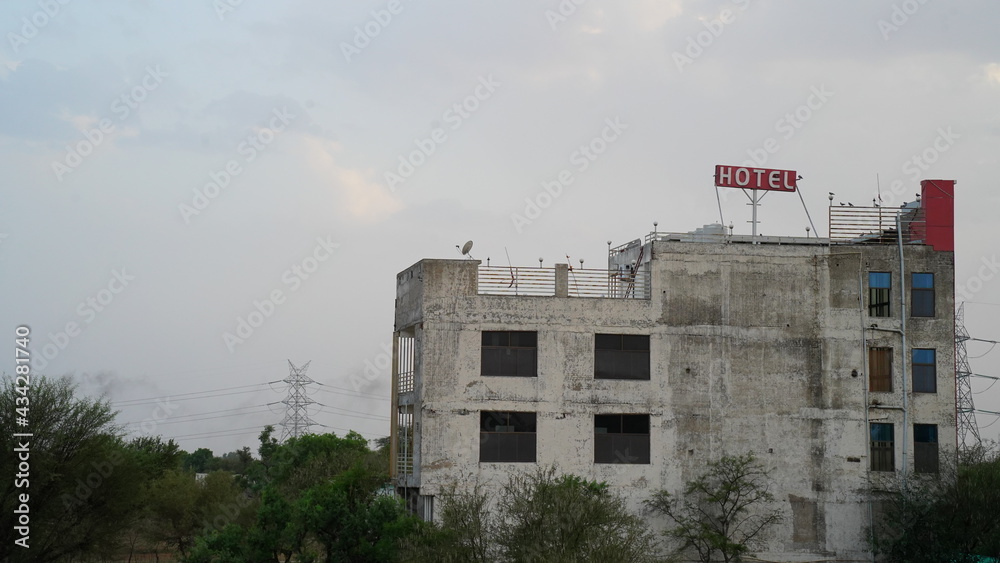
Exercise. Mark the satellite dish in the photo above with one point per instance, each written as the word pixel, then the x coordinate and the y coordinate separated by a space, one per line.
pixel 467 247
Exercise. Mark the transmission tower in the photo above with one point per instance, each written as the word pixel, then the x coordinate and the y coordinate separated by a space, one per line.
pixel 965 410
pixel 297 421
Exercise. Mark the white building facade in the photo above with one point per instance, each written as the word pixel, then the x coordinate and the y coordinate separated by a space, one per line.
pixel 832 361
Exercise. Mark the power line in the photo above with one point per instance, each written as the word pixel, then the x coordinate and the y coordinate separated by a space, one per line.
pixel 204 434
pixel 175 397
pixel 171 421
pixel 355 393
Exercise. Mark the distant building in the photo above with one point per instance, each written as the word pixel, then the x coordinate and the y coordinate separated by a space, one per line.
pixel 832 360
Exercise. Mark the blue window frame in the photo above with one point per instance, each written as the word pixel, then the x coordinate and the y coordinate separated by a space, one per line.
pixel 879 294
pixel 921 295
pixel 924 367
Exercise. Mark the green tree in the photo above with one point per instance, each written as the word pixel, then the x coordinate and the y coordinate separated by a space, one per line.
pixel 949 516
pixel 539 516
pixel 81 481
pixel 352 521
pixel 722 511
pixel 314 490
pixel 199 460
pixel 180 507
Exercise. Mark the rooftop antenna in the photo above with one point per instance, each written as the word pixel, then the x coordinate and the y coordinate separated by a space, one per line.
pixel 539 261
pixel 465 249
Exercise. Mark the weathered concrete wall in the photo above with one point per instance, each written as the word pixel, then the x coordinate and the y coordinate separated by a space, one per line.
pixel 753 348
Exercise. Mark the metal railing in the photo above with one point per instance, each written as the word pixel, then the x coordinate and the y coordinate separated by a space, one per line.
pixel 876 225
pixel 605 283
pixel 496 280
pixel 405 378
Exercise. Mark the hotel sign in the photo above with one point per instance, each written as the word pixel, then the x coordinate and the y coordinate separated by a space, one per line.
pixel 755 178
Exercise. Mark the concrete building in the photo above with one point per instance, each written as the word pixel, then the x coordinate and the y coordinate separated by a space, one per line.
pixel 832 360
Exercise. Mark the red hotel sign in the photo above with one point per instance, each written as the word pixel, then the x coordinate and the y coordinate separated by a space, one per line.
pixel 755 178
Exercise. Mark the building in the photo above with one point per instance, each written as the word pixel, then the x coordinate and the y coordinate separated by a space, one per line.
pixel 832 360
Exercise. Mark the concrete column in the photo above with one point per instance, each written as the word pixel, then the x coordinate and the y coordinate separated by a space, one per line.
pixel 562 280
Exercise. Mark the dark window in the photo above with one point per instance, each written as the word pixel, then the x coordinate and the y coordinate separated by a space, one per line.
pixel 621 438
pixel 879 289
pixel 506 436
pixel 621 356
pixel 925 448
pixel 924 371
pixel 922 295
pixel 880 369
pixel 883 447
pixel 510 353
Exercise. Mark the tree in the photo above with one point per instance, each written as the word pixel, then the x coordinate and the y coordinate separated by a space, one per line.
pixel 311 491
pixel 81 480
pixel 538 516
pixel 352 520
pixel 199 460
pixel 722 511
pixel 180 506
pixel 949 516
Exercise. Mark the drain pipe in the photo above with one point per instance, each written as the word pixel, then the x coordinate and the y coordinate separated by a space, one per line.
pixel 902 331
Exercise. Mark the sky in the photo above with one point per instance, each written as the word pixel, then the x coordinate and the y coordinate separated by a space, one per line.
pixel 174 173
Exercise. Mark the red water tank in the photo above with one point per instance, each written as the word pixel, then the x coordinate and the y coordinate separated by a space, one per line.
pixel 937 199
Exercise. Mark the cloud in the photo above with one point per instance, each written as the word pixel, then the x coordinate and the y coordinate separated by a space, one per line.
pixel 359 192
pixel 992 73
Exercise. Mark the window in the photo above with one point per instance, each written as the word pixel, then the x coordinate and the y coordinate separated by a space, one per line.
pixel 510 353
pixel 880 369
pixel 621 438
pixel 621 356
pixel 925 448
pixel 879 289
pixel 506 436
pixel 922 295
pixel 924 371
pixel 883 447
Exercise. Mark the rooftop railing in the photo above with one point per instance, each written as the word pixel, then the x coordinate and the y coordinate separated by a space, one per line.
pixel 497 280
pixel 876 225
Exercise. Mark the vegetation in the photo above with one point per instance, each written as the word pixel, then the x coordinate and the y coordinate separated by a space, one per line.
pixel 949 516
pixel 539 516
pixel 722 511
pixel 97 496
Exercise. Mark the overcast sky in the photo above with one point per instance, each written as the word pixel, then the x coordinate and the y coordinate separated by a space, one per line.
pixel 168 169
